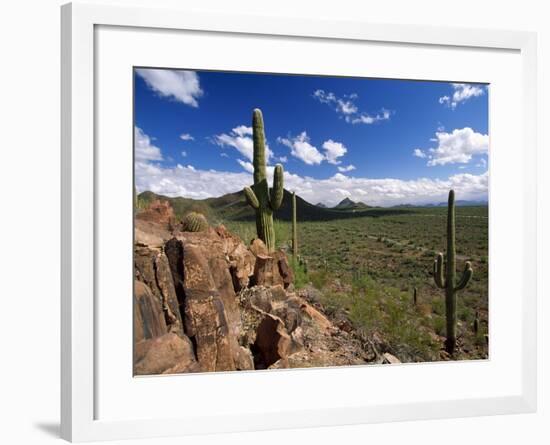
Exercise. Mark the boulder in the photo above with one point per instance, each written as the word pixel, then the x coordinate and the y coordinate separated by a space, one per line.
pixel 257 247
pixel 149 319
pixel 390 359
pixel 153 268
pixel 259 298
pixel 150 238
pixel 160 212
pixel 284 269
pixel 313 314
pixel 292 318
pixel 205 316
pixel 266 271
pixel 272 343
pixel 241 262
pixel 244 360
pixel 278 293
pixel 271 268
pixel 223 283
pixel 167 354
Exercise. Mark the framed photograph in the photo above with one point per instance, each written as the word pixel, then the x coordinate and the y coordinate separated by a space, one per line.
pixel 260 205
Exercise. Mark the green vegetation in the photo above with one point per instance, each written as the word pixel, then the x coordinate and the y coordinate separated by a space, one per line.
pixel 300 273
pixel 392 250
pixel 449 281
pixel 377 311
pixel 259 196
pixel 366 246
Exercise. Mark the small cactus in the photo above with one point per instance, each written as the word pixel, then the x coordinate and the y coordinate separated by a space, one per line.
pixel 260 197
pixel 294 228
pixel 194 222
pixel 415 296
pixel 476 324
pixel 448 282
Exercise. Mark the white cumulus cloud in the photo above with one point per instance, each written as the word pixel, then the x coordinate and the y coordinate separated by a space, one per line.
pixel 333 151
pixel 180 85
pixel 419 153
pixel 186 137
pixel 347 168
pixel 461 93
pixel 144 150
pixel 192 182
pixel 246 165
pixel 301 148
pixel 240 138
pixel 346 106
pixel 457 147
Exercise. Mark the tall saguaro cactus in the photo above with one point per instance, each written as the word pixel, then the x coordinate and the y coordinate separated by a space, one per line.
pixel 447 281
pixel 259 196
pixel 294 227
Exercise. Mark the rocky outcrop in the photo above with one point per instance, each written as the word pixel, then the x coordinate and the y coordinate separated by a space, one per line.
pixel 206 316
pixel 204 301
pixel 167 354
pixel 241 259
pixel 272 342
pixel 149 319
pixel 271 268
pixel 152 268
pixel 159 212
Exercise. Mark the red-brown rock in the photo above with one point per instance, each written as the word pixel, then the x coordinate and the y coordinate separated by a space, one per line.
pixel 153 269
pixel 168 354
pixel 159 211
pixel 285 271
pixel 148 314
pixel 272 341
pixel 205 316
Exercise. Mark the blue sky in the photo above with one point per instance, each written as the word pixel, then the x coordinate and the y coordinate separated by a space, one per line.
pixel 380 141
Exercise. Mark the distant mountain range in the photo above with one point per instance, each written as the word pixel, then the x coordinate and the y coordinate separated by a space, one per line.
pixel 348 204
pixel 460 203
pixel 233 206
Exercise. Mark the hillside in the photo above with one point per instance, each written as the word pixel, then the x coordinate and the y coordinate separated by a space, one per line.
pixel 233 207
pixel 348 204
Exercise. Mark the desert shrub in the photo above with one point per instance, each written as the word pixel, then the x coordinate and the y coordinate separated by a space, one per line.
pixel 300 273
pixel 438 306
pixel 439 325
pixel 283 233
pixel 319 278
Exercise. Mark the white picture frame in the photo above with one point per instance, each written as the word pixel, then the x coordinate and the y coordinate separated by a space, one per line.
pixel 80 418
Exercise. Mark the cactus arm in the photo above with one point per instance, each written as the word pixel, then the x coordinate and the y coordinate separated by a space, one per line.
pixel 466 276
pixel 438 271
pixel 251 198
pixel 277 191
pixel 258 137
pixel 294 228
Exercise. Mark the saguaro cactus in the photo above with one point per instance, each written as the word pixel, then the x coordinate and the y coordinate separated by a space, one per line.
pixel 294 227
pixel 447 281
pixel 259 196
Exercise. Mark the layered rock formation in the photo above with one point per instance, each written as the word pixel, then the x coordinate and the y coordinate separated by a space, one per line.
pixel 204 301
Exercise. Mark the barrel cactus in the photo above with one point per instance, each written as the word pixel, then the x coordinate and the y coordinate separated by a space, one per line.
pixel 263 200
pixel 194 222
pixel 447 280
